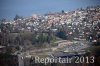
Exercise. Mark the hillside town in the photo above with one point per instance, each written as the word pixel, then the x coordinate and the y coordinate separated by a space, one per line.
pixel 51 33
pixel 81 21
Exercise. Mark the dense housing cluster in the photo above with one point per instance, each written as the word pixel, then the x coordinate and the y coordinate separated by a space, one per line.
pixel 78 24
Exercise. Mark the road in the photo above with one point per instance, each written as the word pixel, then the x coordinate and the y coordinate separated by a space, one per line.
pixel 63 46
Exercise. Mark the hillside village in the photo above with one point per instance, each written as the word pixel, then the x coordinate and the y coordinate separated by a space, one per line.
pixel 43 31
pixel 81 23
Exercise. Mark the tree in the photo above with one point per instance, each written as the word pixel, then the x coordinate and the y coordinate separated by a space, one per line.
pixel 4 38
pixel 63 11
pixel 3 20
pixel 18 17
pixel 61 34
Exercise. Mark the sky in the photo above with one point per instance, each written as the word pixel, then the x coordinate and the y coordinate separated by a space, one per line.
pixel 9 8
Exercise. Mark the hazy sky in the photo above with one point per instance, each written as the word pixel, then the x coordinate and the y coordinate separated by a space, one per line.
pixel 9 8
